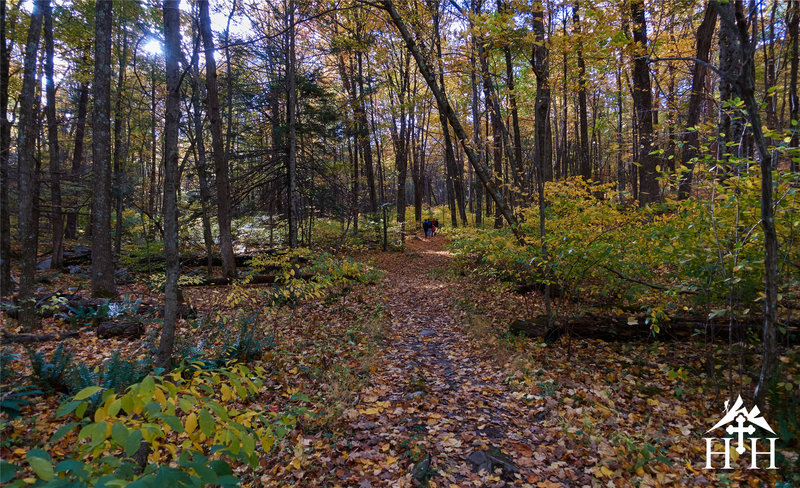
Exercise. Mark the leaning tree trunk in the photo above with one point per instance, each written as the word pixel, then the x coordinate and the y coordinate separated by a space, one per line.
pixel 217 149
pixel 172 117
pixel 445 106
pixel 26 146
pixel 102 257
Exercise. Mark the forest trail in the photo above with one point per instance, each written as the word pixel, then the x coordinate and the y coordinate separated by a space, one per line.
pixel 437 408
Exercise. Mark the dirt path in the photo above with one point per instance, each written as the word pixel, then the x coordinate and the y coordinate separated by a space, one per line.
pixel 436 409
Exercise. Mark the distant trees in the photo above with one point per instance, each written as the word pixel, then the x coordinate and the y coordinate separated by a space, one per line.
pixel 466 112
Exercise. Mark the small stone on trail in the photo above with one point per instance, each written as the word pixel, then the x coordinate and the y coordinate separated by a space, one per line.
pixel 492 459
pixel 416 394
pixel 427 332
pixel 46 264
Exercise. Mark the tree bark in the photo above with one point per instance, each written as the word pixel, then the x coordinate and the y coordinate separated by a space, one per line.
pixel 172 48
pixel 71 230
pixel 585 161
pixel 291 116
pixel 691 138
pixel 6 285
pixel 102 258
pixel 56 216
pixel 476 119
pixel 200 161
pixel 217 148
pixel 26 146
pixel 540 62
pixel 120 149
pixel 364 137
pixel 444 105
pixel 643 106
pixel 449 154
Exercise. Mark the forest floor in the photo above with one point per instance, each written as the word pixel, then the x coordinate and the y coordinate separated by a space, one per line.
pixel 415 380
pixel 453 400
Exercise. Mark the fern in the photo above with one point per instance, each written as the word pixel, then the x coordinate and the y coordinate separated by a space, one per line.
pixel 53 374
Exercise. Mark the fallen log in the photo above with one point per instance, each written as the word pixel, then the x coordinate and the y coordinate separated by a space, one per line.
pixel 254 280
pixel 7 338
pixel 130 330
pixel 632 328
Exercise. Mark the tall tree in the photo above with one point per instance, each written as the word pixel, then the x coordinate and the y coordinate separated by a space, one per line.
pixel 643 106
pixel 76 172
pixel 26 147
pixel 449 154
pixel 217 146
pixel 735 28
pixel 120 148
pixel 291 119
pixel 56 215
pixel 102 256
pixel 540 62
pixel 691 137
pixel 172 46
pixel 200 160
pixel 5 146
pixel 583 156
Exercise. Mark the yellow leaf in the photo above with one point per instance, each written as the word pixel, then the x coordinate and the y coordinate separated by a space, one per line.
pixel 191 423
pixel 606 471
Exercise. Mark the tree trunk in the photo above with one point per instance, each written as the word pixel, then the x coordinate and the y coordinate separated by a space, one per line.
pixel 172 117
pixel 26 146
pixel 364 137
pixel 217 149
pixel 643 106
pixel 120 149
pixel 71 230
pixel 585 161
pixel 444 105
pixel 291 116
pixel 102 258
pixel 449 154
pixel 56 216
pixel 691 138
pixel 540 62
pixel 202 175
pixel 6 286
pixel 476 119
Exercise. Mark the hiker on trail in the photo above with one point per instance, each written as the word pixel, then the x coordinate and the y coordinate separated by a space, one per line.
pixel 434 227
pixel 426 227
